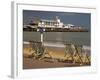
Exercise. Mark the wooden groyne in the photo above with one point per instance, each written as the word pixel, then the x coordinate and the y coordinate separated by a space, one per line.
pixel 68 52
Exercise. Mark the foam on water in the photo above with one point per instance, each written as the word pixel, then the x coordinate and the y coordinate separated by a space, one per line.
pixel 57 44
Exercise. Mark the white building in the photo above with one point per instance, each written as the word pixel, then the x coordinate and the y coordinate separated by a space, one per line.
pixel 55 23
pixel 69 26
pixel 51 23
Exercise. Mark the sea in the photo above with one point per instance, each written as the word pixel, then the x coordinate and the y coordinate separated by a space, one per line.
pixel 81 38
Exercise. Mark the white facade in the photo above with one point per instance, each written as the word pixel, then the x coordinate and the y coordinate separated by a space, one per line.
pixel 51 23
pixel 55 23
pixel 69 26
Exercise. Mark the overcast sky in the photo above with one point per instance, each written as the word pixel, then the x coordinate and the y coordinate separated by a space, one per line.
pixel 78 19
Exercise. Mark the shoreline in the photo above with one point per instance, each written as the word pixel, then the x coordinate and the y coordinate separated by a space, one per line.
pixel 57 44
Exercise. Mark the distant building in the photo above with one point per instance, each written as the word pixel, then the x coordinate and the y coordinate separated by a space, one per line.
pixel 51 23
pixel 69 26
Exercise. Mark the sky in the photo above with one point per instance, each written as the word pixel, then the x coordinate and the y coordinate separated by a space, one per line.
pixel 78 19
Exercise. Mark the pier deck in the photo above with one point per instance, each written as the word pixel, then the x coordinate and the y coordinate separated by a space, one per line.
pixel 55 29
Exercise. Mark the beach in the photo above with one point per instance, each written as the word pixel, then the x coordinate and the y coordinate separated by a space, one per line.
pixel 54 58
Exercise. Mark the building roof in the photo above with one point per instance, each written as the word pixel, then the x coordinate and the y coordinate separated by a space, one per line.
pixel 48 20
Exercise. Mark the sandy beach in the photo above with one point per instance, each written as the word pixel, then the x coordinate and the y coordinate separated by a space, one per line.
pixel 30 63
pixel 55 58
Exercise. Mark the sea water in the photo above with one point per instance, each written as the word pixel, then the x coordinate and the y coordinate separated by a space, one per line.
pixel 81 38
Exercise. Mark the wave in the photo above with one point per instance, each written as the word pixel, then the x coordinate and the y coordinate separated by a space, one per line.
pixel 57 44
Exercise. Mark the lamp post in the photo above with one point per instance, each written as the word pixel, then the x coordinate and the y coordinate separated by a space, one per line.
pixel 41 30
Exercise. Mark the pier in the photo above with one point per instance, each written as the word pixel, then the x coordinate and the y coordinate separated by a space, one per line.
pixel 54 29
pixel 54 25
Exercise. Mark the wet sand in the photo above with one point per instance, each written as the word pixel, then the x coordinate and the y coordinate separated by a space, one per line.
pixel 30 63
